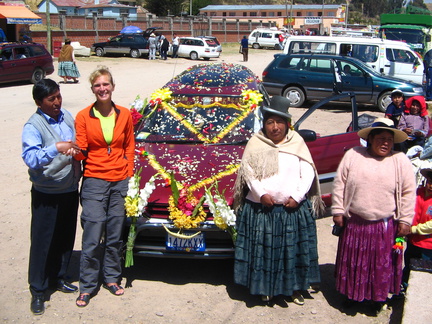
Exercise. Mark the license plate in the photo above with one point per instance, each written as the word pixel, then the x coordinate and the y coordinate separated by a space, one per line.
pixel 195 244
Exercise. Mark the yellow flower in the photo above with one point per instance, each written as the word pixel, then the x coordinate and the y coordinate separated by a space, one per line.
pixel 131 206
pixel 162 94
pixel 252 97
pixel 219 222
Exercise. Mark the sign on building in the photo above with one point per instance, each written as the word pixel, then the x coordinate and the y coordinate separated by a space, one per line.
pixel 312 20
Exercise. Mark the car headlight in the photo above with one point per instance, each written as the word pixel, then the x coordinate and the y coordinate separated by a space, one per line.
pixel 418 90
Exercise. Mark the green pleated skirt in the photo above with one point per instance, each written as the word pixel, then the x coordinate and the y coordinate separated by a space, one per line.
pixel 276 249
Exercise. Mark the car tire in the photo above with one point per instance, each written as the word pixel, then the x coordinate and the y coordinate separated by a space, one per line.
pixel 295 95
pixel 38 74
pixel 256 46
pixel 99 51
pixel 193 56
pixel 134 53
pixel 383 101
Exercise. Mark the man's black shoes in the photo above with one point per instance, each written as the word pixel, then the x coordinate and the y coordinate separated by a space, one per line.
pixel 66 287
pixel 37 305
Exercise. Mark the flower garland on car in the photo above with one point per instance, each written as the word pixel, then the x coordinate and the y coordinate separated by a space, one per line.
pixel 185 208
pixel 186 211
pixel 135 203
pixel 161 98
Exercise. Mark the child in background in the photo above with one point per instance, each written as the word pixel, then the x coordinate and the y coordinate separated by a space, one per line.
pixel 397 106
pixel 414 122
pixel 420 240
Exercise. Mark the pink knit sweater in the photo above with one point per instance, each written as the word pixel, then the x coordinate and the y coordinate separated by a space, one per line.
pixel 374 188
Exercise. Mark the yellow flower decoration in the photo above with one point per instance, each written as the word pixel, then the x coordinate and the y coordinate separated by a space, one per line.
pixel 252 97
pixel 161 94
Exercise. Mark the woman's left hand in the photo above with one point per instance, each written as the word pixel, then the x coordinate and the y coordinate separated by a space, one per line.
pixel 291 203
pixel 403 230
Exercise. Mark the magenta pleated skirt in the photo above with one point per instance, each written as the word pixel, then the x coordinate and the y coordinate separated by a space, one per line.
pixel 367 266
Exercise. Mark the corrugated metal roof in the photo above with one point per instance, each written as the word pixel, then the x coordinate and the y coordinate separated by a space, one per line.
pixel 268 7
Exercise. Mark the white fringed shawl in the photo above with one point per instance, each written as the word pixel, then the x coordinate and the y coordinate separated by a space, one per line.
pixel 260 161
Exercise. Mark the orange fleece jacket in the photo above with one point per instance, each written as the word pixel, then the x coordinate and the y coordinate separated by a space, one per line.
pixel 111 163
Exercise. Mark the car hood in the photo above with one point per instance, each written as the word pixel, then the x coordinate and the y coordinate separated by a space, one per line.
pixel 191 165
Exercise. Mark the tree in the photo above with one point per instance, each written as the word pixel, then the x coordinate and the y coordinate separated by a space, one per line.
pixel 165 7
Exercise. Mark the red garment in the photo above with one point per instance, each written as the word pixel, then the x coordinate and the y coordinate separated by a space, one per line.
pixel 423 213
pixel 421 99
pixel 111 163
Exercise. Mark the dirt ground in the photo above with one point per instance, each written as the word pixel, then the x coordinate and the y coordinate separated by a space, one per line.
pixel 158 291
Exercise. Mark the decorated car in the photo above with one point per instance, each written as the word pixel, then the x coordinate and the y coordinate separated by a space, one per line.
pixel 190 139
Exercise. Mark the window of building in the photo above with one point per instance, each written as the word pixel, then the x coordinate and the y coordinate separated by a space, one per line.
pixel 224 14
pixel 320 13
pixel 253 14
pixel 279 13
pixel 264 14
pixel 309 14
pixel 299 14
pixel 231 14
pixel 271 14
pixel 100 12
pixel 212 14
pixel 244 14
pixel 330 14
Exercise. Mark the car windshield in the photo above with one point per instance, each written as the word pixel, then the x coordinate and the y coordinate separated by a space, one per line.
pixel 206 104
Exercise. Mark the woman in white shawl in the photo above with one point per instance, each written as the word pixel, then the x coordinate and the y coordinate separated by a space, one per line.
pixel 277 199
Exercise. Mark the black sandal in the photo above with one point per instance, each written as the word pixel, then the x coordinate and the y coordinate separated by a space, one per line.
pixel 83 298
pixel 113 289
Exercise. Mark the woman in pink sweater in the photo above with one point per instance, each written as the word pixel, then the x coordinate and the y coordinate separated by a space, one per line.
pixel 373 200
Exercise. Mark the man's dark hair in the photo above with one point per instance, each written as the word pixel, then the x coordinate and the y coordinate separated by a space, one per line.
pixel 44 88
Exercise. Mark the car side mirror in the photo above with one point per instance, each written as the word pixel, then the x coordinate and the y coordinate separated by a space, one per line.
pixel 308 135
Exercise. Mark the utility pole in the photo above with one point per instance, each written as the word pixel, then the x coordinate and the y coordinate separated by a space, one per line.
pixel 48 22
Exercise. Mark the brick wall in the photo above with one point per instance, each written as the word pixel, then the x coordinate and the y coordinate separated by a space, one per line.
pixel 81 29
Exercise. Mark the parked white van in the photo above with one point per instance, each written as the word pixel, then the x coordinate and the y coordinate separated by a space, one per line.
pixel 265 37
pixel 388 57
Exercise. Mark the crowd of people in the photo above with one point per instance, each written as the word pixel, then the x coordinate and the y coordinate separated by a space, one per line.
pixel 276 248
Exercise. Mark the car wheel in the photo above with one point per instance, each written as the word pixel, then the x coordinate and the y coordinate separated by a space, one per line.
pixel 193 55
pixel 38 74
pixel 277 47
pixel 99 51
pixel 295 95
pixel 256 46
pixel 384 100
pixel 134 53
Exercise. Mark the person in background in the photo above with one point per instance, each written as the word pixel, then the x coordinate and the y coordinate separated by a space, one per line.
pixel 164 47
pixel 175 45
pixel 414 122
pixel 152 46
pixel 67 68
pixel 106 138
pixel 396 107
pixel 420 240
pixel 245 48
pixel 427 63
pixel 48 147
pixel 373 201
pixel 276 247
